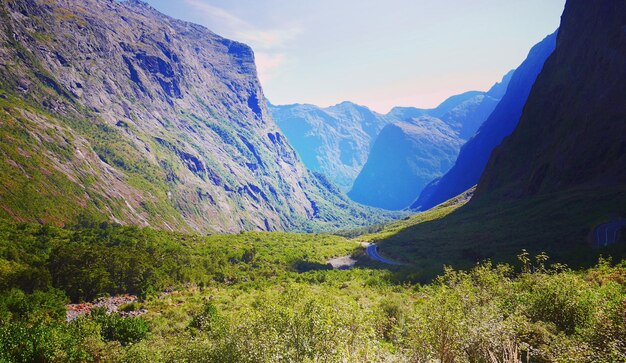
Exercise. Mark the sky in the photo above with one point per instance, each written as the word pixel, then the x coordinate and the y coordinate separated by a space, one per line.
pixel 379 54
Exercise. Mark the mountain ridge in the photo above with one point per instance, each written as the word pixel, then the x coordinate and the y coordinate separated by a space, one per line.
pixel 336 140
pixel 591 151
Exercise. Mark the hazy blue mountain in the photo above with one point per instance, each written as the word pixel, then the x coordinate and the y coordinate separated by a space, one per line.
pixel 458 117
pixel 464 113
pixel 405 157
pixel 466 117
pixel 407 113
pixel 474 154
pixel 334 141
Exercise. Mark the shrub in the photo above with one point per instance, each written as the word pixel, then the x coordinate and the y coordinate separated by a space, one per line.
pixel 209 320
pixel 561 299
pixel 117 328
pixel 55 342
pixel 38 307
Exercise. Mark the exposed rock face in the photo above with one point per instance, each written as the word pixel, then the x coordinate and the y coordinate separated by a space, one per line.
pixel 572 131
pixel 405 157
pixel 474 154
pixel 334 141
pixel 120 110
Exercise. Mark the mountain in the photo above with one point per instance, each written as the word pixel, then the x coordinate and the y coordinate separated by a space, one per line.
pixel 407 113
pixel 334 141
pixel 561 173
pixel 111 110
pixel 467 117
pixel 502 121
pixel 420 146
pixel 404 158
pixel 464 112
pixel 572 132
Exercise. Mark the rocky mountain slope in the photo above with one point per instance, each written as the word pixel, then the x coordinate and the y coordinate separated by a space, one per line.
pixel 474 154
pixel 334 141
pixel 114 111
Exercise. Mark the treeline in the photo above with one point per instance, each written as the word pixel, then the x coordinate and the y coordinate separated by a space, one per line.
pixel 89 261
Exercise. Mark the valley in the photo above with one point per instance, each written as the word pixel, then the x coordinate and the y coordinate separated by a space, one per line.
pixel 155 206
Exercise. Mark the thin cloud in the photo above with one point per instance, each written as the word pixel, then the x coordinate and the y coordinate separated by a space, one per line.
pixel 241 30
pixel 268 64
pixel 268 39
pixel 216 13
pixel 268 44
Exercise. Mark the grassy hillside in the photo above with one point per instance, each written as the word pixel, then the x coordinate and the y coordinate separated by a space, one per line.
pixel 268 297
pixel 560 224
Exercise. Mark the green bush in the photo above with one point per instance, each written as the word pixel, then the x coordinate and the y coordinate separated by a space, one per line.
pixel 117 328
pixel 564 300
pixel 52 342
pixel 209 320
pixel 39 307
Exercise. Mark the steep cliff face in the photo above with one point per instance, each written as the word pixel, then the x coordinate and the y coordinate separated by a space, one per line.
pixel 572 131
pixel 501 122
pixel 126 113
pixel 561 173
pixel 334 141
pixel 404 158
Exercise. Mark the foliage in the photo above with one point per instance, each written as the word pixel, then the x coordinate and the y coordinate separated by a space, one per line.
pixel 246 298
pixel 103 259
pixel 116 328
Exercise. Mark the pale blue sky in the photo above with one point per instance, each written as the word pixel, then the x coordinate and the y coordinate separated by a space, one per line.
pixel 376 53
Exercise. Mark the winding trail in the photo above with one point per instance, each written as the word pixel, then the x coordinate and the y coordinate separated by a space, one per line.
pixel 372 251
pixel 608 233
